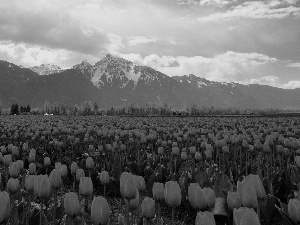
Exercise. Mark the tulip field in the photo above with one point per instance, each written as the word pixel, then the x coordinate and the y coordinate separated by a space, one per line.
pixel 149 170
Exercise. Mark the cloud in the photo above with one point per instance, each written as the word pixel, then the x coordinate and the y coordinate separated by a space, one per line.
pixel 49 25
pixel 253 10
pixel 294 65
pixel 137 40
pixel 275 82
pixel 292 84
pixel 218 3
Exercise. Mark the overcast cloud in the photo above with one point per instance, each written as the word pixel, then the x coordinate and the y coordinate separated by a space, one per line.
pixel 223 40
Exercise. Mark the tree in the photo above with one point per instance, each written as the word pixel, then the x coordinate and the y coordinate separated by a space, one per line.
pixel 96 108
pixel 28 108
pixel 14 109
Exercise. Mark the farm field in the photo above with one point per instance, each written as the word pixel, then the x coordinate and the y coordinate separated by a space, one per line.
pixel 159 170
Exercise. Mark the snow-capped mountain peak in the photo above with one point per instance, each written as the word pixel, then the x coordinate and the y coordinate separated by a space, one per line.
pixel 46 69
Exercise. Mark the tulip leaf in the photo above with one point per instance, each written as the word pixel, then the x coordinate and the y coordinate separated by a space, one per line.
pixel 222 182
pixel 268 208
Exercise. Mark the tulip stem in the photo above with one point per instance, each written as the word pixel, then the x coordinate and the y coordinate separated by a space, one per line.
pixel 258 210
pixel 28 209
pixel 55 206
pixel 127 212
pixel 158 213
pixel 173 215
pixel 83 212
pixel 104 190
pixel 41 212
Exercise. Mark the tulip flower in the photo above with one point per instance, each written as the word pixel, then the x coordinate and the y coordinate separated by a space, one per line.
pixel 14 169
pixel 233 200
pixel 74 168
pixel 71 204
pixel 58 166
pixel 172 195
pixel 32 169
pixel 31 157
pixel 127 186
pixel 79 174
pixel 100 211
pixel 158 191
pixel 134 203
pixel 247 194
pixel 3 149
pixel 21 164
pixel 245 216
pixel 15 151
pixel 294 210
pixel 85 186
pixel 104 179
pixel 209 196
pixel 64 171
pixel 42 186
pixel 140 183
pixel 192 195
pixel 297 160
pixel 5 207
pixel 47 162
pixel 89 163
pixel 205 218
pixel 29 183
pixel 7 160
pixel 55 179
pixel 13 185
pixel 148 208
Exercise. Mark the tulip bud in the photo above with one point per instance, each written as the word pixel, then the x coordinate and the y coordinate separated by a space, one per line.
pixel 15 151
pixel 9 148
pixel 256 182
pixel 42 186
pixel 172 194
pixel 208 154
pixel 100 211
pixel 148 208
pixel 74 168
pixel 5 207
pixel 21 164
pixel 127 186
pixel 32 169
pixel 12 185
pixel 175 150
pixel 134 203
pixel 158 191
pixel 31 157
pixel 55 179
pixel 7 160
pixel 3 149
pixel 58 166
pixel 47 162
pixel 294 210
pixel 85 186
pixel 184 156
pixel 140 183
pixel 244 216
pixel 29 183
pixel 205 218
pixel 104 177
pixel 64 171
pixel 79 174
pixel 209 196
pixel 71 204
pixel 14 169
pixel 198 156
pixel 89 163
pixel 233 200
pixel 247 194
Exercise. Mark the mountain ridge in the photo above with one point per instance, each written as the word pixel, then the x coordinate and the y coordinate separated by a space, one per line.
pixel 117 82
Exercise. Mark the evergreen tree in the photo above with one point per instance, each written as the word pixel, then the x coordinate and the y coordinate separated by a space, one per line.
pixel 28 108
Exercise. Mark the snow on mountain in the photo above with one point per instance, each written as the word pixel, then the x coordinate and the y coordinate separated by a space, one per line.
pixel 46 69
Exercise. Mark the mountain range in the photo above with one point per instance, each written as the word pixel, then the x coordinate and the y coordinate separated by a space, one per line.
pixel 116 82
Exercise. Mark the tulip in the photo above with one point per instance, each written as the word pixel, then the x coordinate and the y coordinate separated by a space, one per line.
pixel 47 162
pixel 209 196
pixel 32 169
pixel 205 218
pixel 55 179
pixel 79 174
pixel 64 171
pixel 5 207
pixel 140 183
pixel 172 195
pixel 89 163
pixel 127 185
pixel 104 179
pixel 233 200
pixel 29 183
pixel 13 185
pixel 58 165
pixel 100 211
pixel 3 149
pixel 158 191
pixel 245 216
pixel 85 186
pixel 74 168
pixel 71 204
pixel 31 157
pixel 192 195
pixel 198 156
pixel 148 208
pixel 294 210
pixel 15 151
pixel 14 169
pixel 21 164
pixel 134 203
pixel 7 160
pixel 297 160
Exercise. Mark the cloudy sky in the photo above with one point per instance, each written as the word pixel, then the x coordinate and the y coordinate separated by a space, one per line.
pixel 223 40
